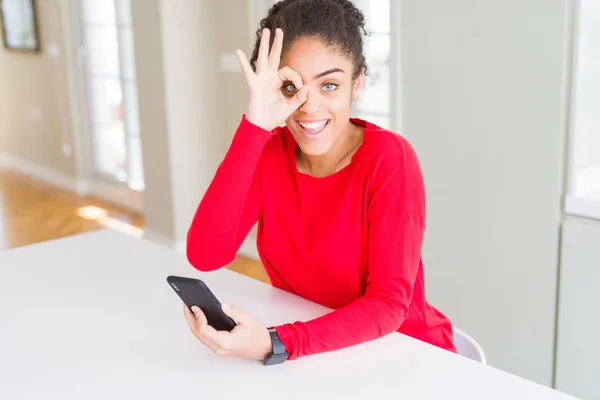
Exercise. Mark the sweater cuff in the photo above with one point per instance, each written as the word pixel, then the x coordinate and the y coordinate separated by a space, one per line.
pixel 247 126
pixel 285 335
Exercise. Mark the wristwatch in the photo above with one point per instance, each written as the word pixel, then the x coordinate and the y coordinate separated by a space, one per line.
pixel 278 354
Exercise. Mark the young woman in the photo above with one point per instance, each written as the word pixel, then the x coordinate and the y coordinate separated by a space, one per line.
pixel 340 202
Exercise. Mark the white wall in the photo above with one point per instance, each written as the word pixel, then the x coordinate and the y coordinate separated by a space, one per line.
pixel 158 202
pixel 34 107
pixel 180 118
pixel 483 85
pixel 192 98
pixel 578 348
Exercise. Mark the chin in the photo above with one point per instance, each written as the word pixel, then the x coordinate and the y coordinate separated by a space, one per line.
pixel 313 137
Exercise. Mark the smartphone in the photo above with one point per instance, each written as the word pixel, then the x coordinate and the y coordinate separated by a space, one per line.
pixel 194 292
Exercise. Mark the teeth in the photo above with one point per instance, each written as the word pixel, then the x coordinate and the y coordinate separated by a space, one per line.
pixel 313 125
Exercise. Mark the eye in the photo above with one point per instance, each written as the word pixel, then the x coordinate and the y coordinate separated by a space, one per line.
pixel 289 87
pixel 330 87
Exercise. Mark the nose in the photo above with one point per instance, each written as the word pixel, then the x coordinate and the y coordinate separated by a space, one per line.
pixel 312 104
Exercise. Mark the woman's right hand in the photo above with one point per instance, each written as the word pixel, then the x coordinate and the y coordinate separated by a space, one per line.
pixel 268 107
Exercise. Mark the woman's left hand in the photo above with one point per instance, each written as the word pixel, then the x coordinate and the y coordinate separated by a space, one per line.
pixel 249 339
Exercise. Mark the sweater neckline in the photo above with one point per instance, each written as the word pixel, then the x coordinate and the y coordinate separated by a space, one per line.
pixel 347 169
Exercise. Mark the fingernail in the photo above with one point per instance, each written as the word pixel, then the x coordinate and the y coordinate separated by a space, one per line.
pixel 195 309
pixel 227 306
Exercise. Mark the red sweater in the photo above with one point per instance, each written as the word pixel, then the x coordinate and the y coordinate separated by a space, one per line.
pixel 350 241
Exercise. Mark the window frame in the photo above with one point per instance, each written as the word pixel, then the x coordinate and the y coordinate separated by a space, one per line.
pixel 575 204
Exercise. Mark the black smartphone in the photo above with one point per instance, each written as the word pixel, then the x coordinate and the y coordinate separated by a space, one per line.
pixel 194 292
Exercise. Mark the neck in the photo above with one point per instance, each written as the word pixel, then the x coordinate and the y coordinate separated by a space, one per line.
pixel 336 158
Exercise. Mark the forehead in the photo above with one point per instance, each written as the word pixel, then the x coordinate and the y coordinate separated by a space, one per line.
pixel 310 56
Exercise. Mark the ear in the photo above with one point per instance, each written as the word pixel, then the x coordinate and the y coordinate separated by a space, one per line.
pixel 359 84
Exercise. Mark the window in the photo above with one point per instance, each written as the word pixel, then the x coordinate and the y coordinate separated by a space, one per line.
pixel 377 101
pixel 374 103
pixel 112 91
pixel 583 197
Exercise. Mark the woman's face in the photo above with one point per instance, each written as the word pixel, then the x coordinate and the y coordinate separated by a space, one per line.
pixel 324 117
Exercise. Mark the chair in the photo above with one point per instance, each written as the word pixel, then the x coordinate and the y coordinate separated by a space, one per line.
pixel 467 346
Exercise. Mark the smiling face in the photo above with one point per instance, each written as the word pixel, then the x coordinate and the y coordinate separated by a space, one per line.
pixel 323 121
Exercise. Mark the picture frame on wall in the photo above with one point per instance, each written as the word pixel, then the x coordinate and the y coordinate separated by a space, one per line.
pixel 19 25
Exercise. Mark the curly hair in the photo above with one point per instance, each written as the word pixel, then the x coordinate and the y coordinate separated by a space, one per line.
pixel 338 23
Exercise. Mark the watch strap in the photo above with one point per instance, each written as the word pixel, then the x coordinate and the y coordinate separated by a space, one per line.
pixel 278 352
pixel 278 346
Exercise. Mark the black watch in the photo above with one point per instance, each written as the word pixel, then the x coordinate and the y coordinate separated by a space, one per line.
pixel 278 354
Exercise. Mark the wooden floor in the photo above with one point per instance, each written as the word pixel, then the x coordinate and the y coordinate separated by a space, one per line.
pixel 33 212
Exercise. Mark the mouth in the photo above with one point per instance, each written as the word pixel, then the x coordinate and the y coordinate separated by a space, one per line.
pixel 313 127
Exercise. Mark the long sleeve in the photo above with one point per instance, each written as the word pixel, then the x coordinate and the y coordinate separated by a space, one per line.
pixel 396 215
pixel 231 204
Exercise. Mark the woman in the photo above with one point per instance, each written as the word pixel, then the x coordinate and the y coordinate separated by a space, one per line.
pixel 339 202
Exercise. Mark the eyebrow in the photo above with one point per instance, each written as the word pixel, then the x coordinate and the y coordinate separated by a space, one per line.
pixel 329 71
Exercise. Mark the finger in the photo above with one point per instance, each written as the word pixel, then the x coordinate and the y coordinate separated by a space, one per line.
pixel 263 50
pixel 190 318
pixel 275 56
pixel 246 67
pixel 204 328
pixel 192 322
pixel 195 318
pixel 288 74
pixel 215 340
pixel 298 99
pixel 211 344
pixel 199 327
pixel 199 316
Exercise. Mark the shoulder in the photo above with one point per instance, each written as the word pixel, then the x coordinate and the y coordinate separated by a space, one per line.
pixel 387 151
pixel 393 170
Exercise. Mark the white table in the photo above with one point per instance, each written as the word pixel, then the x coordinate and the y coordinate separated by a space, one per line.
pixel 92 317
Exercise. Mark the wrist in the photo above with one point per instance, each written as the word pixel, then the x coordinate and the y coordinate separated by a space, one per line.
pixel 266 346
pixel 259 122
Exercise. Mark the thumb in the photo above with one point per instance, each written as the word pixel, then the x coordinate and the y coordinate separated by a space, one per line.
pixel 236 313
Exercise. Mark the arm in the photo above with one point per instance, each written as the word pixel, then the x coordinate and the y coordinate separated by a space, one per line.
pixel 396 216
pixel 231 204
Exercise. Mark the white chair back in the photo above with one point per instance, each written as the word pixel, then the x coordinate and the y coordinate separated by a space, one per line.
pixel 468 347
